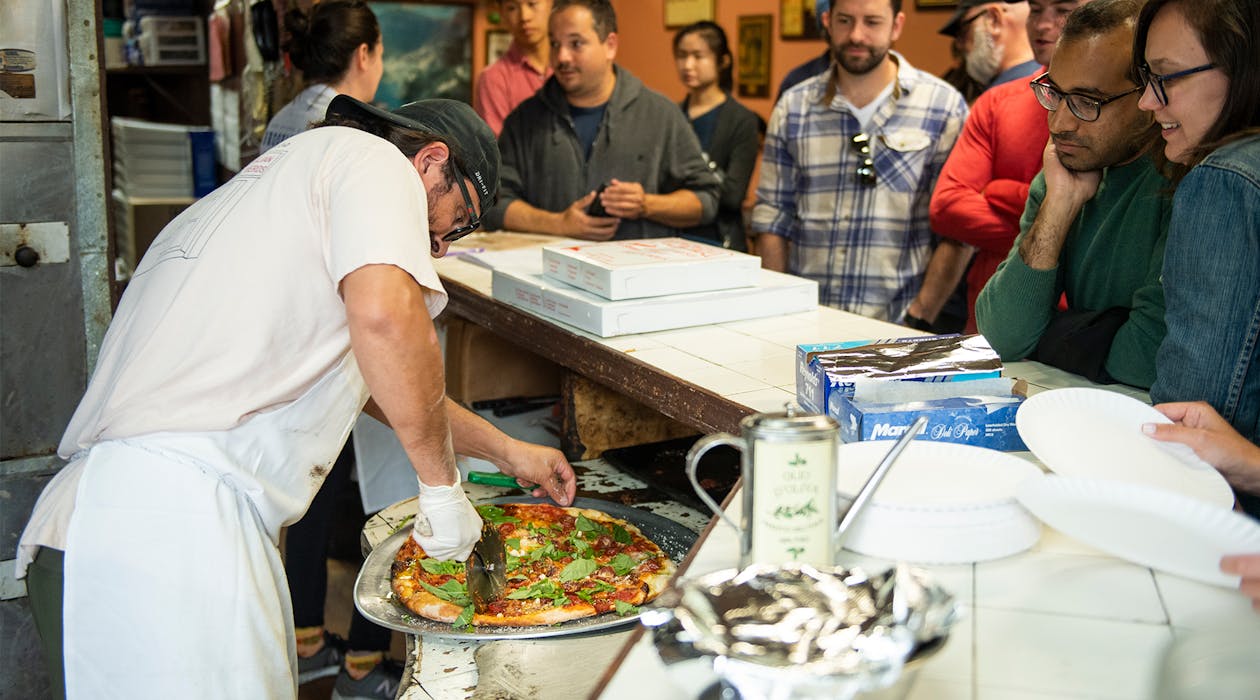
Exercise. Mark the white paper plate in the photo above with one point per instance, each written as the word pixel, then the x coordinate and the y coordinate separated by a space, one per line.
pixel 1144 525
pixel 1097 434
pixel 940 503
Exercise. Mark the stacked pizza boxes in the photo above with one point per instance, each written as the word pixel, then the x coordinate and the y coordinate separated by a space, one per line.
pixel 621 287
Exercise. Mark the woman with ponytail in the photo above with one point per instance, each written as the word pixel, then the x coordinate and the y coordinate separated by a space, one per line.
pixel 337 46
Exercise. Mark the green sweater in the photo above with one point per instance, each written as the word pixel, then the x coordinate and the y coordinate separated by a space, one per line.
pixel 1113 256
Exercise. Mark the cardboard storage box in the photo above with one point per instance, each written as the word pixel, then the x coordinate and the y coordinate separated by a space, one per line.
pixel 481 365
pixel 774 294
pixel 822 369
pixel 649 267
pixel 979 413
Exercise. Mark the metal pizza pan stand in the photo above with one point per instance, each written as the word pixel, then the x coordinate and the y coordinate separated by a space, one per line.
pixel 375 599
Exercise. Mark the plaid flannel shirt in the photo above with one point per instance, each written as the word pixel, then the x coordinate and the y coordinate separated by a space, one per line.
pixel 867 246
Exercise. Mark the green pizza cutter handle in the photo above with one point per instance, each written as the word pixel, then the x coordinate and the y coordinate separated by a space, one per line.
pixel 497 479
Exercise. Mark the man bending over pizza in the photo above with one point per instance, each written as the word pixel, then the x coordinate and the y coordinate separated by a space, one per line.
pixel 259 324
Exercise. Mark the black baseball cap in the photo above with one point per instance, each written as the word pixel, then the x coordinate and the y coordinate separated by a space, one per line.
pixel 954 25
pixel 471 141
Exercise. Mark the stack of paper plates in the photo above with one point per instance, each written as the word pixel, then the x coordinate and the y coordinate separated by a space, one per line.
pixel 940 503
pixel 1097 434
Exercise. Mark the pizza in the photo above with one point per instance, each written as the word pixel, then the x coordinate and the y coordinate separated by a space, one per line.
pixel 562 564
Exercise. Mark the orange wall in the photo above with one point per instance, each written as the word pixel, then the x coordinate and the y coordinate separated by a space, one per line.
pixel 645 43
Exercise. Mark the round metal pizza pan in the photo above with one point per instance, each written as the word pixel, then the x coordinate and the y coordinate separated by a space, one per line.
pixel 375 600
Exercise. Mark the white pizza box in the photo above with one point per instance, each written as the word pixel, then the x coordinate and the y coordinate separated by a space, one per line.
pixel 772 294
pixel 649 267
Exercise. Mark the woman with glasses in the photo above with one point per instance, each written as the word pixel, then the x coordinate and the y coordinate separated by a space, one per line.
pixel 728 131
pixel 1200 63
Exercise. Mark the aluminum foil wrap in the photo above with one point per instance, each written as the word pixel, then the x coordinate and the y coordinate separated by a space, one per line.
pixel 800 632
pixel 910 358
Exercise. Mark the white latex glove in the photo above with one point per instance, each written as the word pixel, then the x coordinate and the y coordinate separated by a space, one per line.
pixel 447 525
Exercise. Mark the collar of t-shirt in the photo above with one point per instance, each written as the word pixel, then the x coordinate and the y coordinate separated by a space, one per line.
pixel 864 114
pixel 586 123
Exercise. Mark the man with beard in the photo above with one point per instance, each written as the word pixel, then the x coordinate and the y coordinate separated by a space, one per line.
pixel 1096 219
pixel 981 192
pixel 994 40
pixel 519 73
pixel 849 163
pixel 595 154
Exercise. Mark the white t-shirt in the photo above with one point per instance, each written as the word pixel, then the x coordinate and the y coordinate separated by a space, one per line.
pixel 309 106
pixel 235 308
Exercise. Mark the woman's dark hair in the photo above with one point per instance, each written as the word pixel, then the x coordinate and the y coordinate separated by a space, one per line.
pixel 715 37
pixel 1229 31
pixel 323 41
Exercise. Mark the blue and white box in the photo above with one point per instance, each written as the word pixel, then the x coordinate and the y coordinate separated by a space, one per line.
pixel 980 413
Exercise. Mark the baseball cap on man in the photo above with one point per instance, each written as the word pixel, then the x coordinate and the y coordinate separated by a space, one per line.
pixel 471 141
pixel 954 25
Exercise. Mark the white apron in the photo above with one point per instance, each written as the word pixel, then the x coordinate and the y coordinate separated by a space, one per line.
pixel 174 586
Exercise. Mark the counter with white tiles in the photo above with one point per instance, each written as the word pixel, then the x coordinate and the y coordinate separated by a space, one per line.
pixel 1059 621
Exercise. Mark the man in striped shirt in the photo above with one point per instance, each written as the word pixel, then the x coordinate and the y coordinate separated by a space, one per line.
pixel 850 161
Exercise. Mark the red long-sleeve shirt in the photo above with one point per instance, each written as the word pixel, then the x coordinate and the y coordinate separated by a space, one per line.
pixel 982 189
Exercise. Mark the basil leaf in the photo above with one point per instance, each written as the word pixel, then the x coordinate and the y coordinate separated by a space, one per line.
pixel 442 568
pixel 495 515
pixel 578 569
pixel 452 592
pixel 540 589
pixel 623 564
pixel 623 608
pixel 588 594
pixel 620 534
pixel 511 561
pixel 585 524
pixel 513 543
pixel 580 544
pixel 464 621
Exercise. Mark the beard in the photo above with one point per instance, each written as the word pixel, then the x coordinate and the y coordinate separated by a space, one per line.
pixel 858 66
pixel 985 57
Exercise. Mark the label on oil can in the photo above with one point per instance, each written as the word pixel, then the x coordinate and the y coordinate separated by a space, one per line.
pixel 794 502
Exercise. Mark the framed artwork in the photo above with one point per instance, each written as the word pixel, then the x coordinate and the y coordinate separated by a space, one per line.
pixel 797 20
pixel 935 3
pixel 680 13
pixel 754 55
pixel 497 43
pixel 428 52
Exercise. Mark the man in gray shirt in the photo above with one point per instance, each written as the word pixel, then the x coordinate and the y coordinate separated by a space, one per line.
pixel 595 154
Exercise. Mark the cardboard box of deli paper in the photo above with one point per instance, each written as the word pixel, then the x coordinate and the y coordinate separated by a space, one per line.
pixel 650 267
pixel 979 413
pixel 821 370
pixel 773 294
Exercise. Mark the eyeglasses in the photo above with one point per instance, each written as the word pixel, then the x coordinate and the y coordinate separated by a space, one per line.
pixel 1086 108
pixel 474 222
pixel 861 145
pixel 1157 81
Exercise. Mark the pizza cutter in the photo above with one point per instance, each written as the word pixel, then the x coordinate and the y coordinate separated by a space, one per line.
pixel 487 568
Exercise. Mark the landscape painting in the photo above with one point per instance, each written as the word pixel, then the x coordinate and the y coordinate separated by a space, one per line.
pixel 428 52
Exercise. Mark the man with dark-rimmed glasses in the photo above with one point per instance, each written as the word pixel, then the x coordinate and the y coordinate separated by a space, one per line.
pixel 1096 219
pixel 850 159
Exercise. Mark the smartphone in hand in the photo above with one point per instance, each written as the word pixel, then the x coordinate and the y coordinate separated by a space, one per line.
pixel 596 207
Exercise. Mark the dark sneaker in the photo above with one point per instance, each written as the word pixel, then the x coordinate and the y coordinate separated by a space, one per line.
pixel 380 684
pixel 325 662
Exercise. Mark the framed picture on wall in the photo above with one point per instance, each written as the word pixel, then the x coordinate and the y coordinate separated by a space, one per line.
pixel 753 55
pixel 428 51
pixel 497 43
pixel 680 13
pixel 797 20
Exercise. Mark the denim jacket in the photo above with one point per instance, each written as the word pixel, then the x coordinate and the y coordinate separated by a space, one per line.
pixel 1212 289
